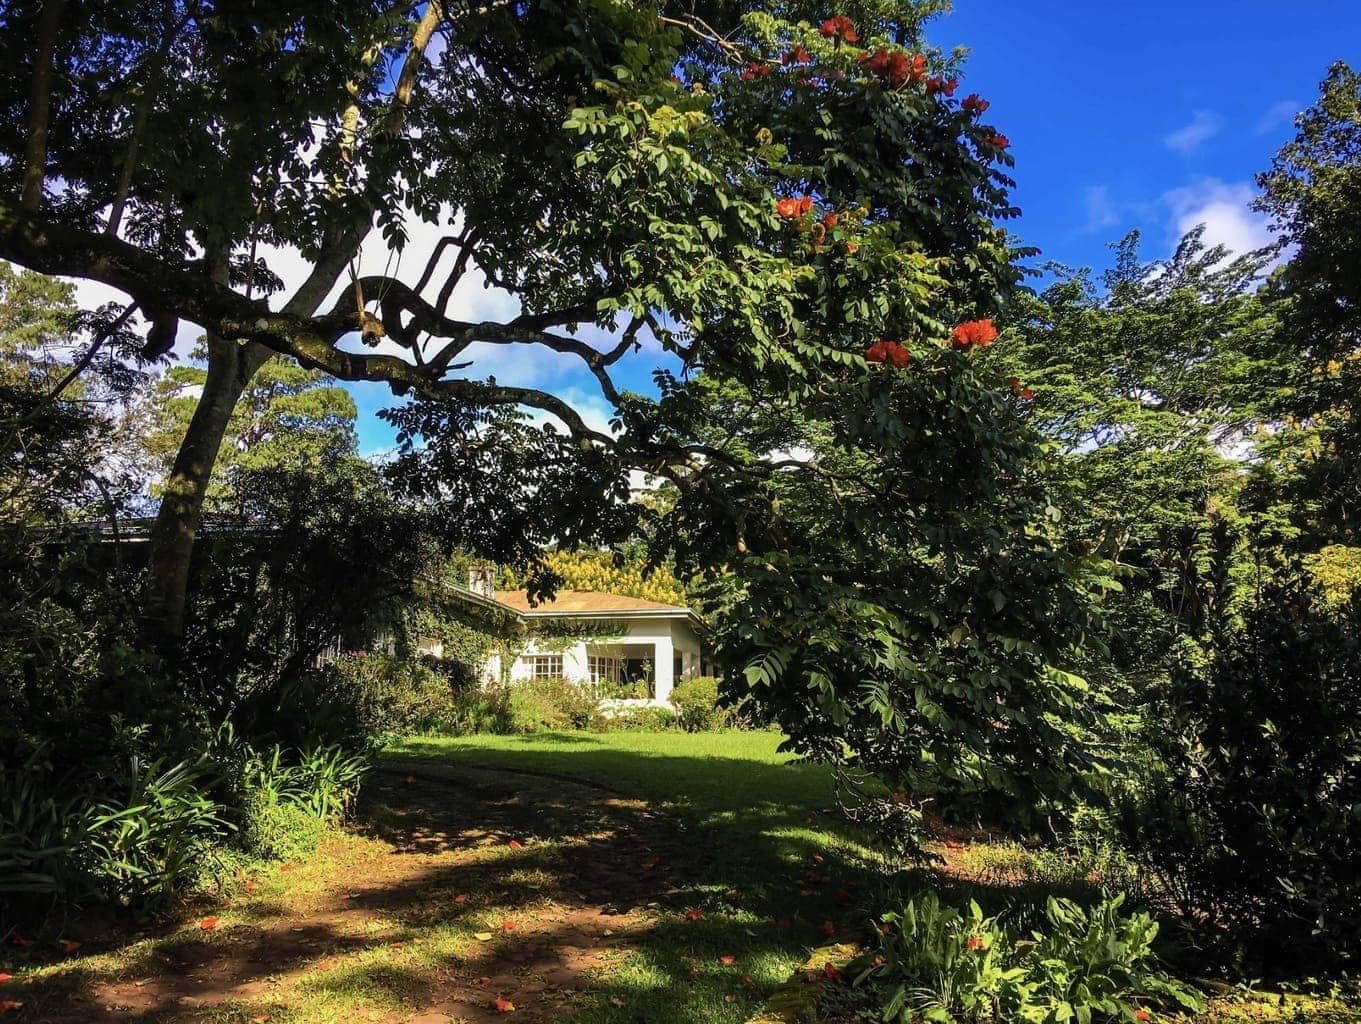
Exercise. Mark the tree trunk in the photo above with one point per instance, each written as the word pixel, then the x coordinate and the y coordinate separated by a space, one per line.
pixel 39 105
pixel 230 369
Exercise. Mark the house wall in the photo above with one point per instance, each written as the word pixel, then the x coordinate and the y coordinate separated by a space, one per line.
pixel 667 636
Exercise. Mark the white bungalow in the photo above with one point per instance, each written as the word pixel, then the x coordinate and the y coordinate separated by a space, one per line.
pixel 620 647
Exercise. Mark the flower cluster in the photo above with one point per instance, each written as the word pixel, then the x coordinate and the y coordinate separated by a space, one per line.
pixel 839 27
pixel 1019 389
pixel 755 69
pixel 974 332
pixel 998 140
pixel 888 352
pixel 794 207
pixel 896 68
pixel 798 54
pixel 936 84
pixel 975 104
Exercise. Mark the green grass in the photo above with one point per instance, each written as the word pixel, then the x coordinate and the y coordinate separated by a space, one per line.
pixel 708 777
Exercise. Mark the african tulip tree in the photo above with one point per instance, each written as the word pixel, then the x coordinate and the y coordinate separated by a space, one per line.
pixel 796 204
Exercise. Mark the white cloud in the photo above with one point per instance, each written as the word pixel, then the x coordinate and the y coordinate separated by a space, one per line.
pixel 1225 210
pixel 1278 114
pixel 1205 125
pixel 1101 212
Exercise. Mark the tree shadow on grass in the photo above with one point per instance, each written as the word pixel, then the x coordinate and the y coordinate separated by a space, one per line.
pixel 691 907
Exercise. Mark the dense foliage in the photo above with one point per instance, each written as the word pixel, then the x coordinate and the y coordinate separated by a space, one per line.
pixel 1250 815
pixel 953 966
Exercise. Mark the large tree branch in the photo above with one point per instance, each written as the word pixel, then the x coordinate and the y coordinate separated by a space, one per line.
pixel 191 293
pixel 344 243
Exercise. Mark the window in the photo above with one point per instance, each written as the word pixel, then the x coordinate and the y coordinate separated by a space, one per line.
pixel 604 668
pixel 543 666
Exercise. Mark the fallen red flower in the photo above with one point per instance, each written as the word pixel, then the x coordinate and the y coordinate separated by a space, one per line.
pixel 831 972
pixel 208 923
pixel 503 1005
pixel 727 958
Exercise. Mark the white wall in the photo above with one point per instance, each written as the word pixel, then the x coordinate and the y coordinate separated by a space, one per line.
pixel 667 636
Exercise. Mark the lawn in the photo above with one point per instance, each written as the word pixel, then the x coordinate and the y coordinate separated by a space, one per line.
pixel 624 877
pixel 734 785
pixel 613 878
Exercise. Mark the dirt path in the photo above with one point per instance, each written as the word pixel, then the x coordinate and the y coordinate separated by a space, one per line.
pixel 452 892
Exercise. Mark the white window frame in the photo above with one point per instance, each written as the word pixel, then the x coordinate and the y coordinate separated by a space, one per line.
pixel 543 666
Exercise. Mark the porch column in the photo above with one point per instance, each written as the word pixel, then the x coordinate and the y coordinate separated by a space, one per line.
pixel 663 671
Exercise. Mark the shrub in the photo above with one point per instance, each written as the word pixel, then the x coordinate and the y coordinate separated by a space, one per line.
pixel 480 711
pixel 1249 813
pixel 649 718
pixel 283 799
pixel 278 831
pixel 388 695
pixel 949 966
pixel 696 701
pixel 549 705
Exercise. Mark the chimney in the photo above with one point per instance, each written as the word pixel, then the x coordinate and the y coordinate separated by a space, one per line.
pixel 482 579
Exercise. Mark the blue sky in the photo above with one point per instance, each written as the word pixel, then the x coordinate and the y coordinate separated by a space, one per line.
pixel 1153 115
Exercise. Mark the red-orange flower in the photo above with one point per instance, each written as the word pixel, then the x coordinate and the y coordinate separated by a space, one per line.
pixel 755 69
pixel 503 1005
pixel 805 204
pixel 797 55
pixel 831 972
pixel 999 140
pixel 1142 1016
pixel 975 942
pixel 974 332
pixel 829 220
pixel 888 352
pixel 787 207
pixel 692 914
pixel 975 104
pixel 839 27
